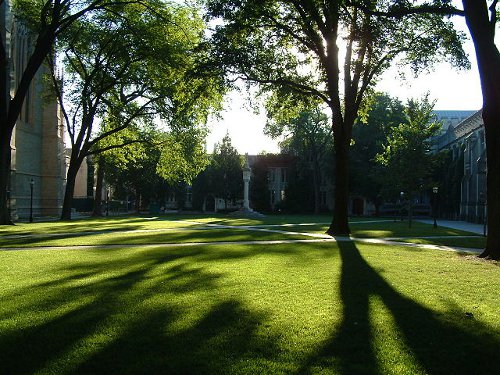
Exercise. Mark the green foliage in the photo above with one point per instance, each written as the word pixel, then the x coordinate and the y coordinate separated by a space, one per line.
pixel 182 155
pixel 137 61
pixel 223 175
pixel 295 47
pixel 132 171
pixel 406 156
pixel 369 138
pixel 289 47
pixel 131 67
pixel 227 169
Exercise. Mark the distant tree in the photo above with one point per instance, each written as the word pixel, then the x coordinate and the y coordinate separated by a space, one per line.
pixel 407 157
pixel 136 142
pixel 182 155
pixel 131 170
pixel 227 168
pixel 308 137
pixel 259 184
pixel 369 136
pixel 223 175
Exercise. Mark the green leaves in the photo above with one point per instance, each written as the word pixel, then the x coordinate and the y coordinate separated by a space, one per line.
pixel 182 156
pixel 407 156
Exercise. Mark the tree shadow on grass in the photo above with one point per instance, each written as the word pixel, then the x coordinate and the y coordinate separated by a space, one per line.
pixel 218 343
pixel 126 319
pixel 449 343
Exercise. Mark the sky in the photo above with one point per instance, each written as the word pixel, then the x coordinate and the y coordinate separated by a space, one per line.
pixel 452 90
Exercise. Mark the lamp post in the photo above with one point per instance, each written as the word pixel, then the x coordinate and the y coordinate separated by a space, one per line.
pixel 434 204
pixel 401 196
pixel 32 184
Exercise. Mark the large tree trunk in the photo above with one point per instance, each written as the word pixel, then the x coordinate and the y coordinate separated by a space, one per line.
pixel 488 60
pixel 74 166
pixel 340 224
pixel 5 160
pixel 98 189
pixel 492 117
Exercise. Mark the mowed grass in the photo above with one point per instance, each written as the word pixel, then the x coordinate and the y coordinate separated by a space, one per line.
pixel 137 230
pixel 329 308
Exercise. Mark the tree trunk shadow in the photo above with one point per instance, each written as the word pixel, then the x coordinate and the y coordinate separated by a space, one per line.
pixel 449 343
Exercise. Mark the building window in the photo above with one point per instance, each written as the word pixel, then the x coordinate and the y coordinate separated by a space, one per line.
pixel 283 175
pixel 189 194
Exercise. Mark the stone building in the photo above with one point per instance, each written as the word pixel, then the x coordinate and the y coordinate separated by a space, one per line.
pixel 466 140
pixel 37 144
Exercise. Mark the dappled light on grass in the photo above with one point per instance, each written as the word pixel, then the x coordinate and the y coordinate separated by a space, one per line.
pixel 400 229
pixel 166 236
pixel 473 242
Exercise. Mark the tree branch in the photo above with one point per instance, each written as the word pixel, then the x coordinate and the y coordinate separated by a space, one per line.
pixel 398 11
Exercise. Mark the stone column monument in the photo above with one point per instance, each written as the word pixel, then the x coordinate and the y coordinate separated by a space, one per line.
pixel 247 171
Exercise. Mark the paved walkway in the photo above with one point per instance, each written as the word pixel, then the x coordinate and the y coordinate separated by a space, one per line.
pixel 461 225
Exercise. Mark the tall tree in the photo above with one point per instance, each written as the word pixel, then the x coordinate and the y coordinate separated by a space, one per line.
pixel 330 50
pixel 407 158
pixel 481 17
pixel 482 26
pixel 46 21
pixel 114 72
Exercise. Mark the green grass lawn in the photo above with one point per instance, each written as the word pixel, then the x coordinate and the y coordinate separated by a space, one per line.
pixel 321 308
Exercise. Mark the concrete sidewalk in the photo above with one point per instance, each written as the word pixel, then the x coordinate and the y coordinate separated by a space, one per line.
pixel 460 225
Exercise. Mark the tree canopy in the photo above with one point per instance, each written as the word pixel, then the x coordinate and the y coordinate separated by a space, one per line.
pixel 135 67
pixel 407 157
pixel 44 21
pixel 332 51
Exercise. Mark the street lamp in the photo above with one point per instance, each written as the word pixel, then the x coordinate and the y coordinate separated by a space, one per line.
pixel 434 204
pixel 32 184
pixel 401 196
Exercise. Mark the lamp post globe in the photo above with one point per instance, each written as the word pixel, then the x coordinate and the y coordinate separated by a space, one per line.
pixel 435 190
